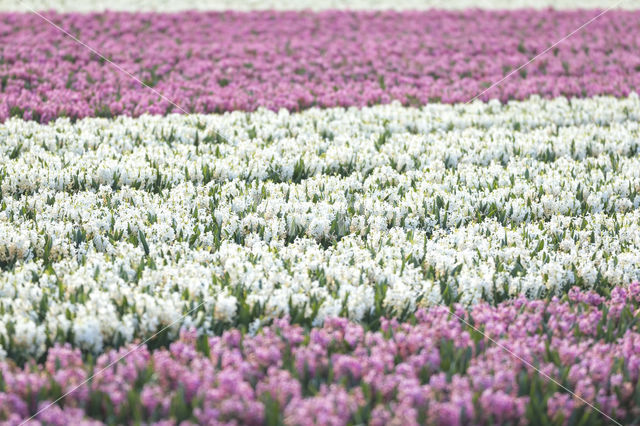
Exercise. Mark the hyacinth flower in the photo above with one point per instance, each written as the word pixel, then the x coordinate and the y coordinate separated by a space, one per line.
pixel 448 252
pixel 211 62
pixel 113 229
pixel 288 5
pixel 441 366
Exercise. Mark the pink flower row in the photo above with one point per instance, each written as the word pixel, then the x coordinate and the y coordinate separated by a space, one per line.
pixel 208 62
pixel 433 369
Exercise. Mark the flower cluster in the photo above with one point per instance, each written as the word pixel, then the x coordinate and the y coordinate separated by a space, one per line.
pixel 435 369
pixel 113 229
pixel 210 61
pixel 178 5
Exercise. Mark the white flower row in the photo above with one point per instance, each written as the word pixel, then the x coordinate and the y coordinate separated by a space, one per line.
pixel 112 229
pixel 245 5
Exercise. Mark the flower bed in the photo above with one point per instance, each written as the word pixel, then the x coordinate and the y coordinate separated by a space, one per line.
pixel 355 239
pixel 112 229
pixel 210 62
pixel 433 369
pixel 247 5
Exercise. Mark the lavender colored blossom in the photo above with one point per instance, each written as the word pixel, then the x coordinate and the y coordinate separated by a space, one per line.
pixel 432 369
pixel 223 61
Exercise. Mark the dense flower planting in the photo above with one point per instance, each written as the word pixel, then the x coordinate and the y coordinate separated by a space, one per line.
pixel 248 5
pixel 209 62
pixel 111 229
pixel 433 369
pixel 326 227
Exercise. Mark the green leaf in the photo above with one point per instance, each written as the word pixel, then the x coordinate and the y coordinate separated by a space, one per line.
pixel 143 240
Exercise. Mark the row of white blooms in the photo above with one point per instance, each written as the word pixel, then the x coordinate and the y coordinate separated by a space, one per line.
pixel 244 5
pixel 112 229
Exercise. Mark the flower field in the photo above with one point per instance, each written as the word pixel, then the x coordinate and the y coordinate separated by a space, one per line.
pixel 329 216
pixel 327 60
pixel 433 369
